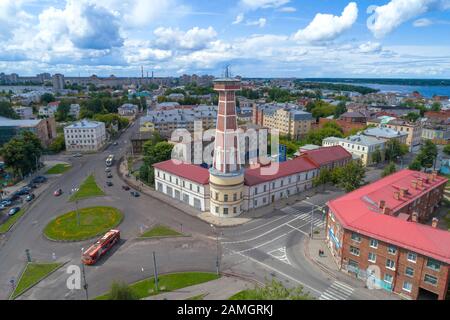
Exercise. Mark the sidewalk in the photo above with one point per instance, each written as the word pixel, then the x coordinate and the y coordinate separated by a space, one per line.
pixel 220 289
pixel 324 262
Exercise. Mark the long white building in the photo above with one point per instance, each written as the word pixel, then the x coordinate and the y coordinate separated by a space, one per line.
pixel 85 136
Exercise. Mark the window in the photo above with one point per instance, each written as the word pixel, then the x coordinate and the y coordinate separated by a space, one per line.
pixel 225 198
pixel 373 243
pixel 234 210
pixel 372 257
pixel 390 264
pixel 217 209
pixel 356 237
pixel 430 279
pixel 354 251
pixel 225 210
pixel 409 272
pixel 234 196
pixel 392 250
pixel 407 286
pixel 412 257
pixel 388 278
pixel 433 264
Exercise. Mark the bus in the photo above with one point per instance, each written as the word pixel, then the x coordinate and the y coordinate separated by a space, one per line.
pixel 102 246
pixel 110 160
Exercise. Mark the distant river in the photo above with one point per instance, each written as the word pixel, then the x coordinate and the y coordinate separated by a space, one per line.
pixel 426 91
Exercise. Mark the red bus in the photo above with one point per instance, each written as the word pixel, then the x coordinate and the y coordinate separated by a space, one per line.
pixel 98 249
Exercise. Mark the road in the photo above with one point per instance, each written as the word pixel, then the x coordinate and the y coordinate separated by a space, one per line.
pixel 131 261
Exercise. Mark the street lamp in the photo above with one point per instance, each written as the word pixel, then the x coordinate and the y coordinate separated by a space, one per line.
pixel 312 215
pixel 73 191
pixel 217 247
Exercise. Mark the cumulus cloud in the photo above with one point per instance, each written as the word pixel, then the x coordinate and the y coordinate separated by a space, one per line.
pixel 239 18
pixel 261 22
pixel 327 26
pixel 193 39
pixel 384 19
pixel 263 4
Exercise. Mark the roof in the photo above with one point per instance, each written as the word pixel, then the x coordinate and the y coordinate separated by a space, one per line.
pixel 357 139
pixel 353 114
pixel 19 123
pixel 358 211
pixel 185 170
pixel 84 124
pixel 325 155
pixel 384 132
pixel 286 168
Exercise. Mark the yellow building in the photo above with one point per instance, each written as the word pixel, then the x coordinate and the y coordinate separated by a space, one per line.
pixel 290 122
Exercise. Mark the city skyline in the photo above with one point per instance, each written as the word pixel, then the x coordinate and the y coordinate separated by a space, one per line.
pixel 260 38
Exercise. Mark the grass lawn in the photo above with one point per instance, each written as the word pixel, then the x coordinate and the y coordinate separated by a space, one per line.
pixel 242 295
pixel 167 283
pixel 59 168
pixel 33 273
pixel 160 231
pixel 94 221
pixel 88 188
pixel 4 227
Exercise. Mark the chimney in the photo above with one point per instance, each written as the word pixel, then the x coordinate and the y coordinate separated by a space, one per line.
pixel 403 192
pixel 396 195
pixel 434 175
pixel 414 217
pixel 420 182
pixel 387 211
pixel 414 184
pixel 434 222
pixel 382 204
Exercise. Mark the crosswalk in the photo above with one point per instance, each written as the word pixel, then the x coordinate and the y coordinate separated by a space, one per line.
pixel 337 291
pixel 306 217
pixel 280 254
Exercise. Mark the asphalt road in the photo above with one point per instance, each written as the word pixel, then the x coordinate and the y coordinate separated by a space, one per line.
pixel 130 261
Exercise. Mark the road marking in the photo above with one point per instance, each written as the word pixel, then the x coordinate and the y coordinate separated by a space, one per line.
pixel 337 291
pixel 280 254
pixel 263 225
pixel 281 273
pixel 299 229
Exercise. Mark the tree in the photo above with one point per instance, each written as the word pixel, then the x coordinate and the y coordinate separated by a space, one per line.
pixel 63 110
pixel 427 154
pixel 415 165
pixel 412 116
pixel 121 291
pixel 22 153
pixel 340 109
pixel 376 156
pixel 389 169
pixel 59 144
pixel 154 152
pixel 447 149
pixel 275 291
pixel 47 97
pixel 6 110
pixel 436 106
pixel 323 178
pixel 395 149
pixel 351 176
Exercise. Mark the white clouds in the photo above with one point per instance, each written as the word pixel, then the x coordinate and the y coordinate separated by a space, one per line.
pixel 370 47
pixel 328 27
pixel 386 18
pixel 287 9
pixel 424 22
pixel 193 39
pixel 263 4
pixel 261 22
pixel 239 18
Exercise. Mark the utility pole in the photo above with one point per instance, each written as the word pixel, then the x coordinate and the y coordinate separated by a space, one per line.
pixel 312 215
pixel 156 271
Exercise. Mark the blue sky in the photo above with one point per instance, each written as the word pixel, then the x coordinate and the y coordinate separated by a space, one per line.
pixel 259 38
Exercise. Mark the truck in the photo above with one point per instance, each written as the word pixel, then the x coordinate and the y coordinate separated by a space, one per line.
pixel 101 247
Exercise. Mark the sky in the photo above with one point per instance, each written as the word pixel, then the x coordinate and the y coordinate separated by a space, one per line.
pixel 257 38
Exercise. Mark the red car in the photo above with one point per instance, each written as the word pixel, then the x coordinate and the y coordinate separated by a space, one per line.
pixel 57 192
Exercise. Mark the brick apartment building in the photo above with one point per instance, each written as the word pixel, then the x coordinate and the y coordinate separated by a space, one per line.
pixel 376 233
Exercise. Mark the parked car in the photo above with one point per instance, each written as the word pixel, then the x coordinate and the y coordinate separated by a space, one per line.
pixel 23 191
pixel 32 185
pixel 109 175
pixel 135 193
pixel 39 179
pixel 115 143
pixel 125 187
pixel 57 192
pixel 30 197
pixel 109 183
pixel 14 196
pixel 13 211
pixel 5 203
pixel 108 169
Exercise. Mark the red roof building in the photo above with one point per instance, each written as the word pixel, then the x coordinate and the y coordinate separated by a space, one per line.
pixel 379 225
pixel 187 171
pixel 328 157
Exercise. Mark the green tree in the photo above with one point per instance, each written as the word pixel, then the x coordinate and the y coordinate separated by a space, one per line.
pixel 22 153
pixel 427 154
pixel 59 144
pixel 62 113
pixel 412 116
pixel 436 106
pixel 275 291
pixel 340 109
pixel 389 169
pixel 376 156
pixel 324 177
pixel 447 149
pixel 47 97
pixel 121 291
pixel 6 110
pixel 351 176
pixel 395 149
pixel 154 152
pixel 415 165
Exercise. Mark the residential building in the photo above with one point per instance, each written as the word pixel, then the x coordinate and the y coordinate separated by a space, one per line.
pixel 74 110
pixel 360 146
pixel 438 134
pixel 386 133
pixel 328 157
pixel 354 117
pixel 24 112
pixel 376 234
pixel 412 129
pixel 347 126
pixel 58 82
pixel 85 136
pixel 45 129
pixel 128 110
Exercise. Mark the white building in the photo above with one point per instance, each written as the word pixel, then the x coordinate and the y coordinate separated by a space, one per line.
pixel 127 110
pixel 85 135
pixel 74 110
pixel 24 112
pixel 48 111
